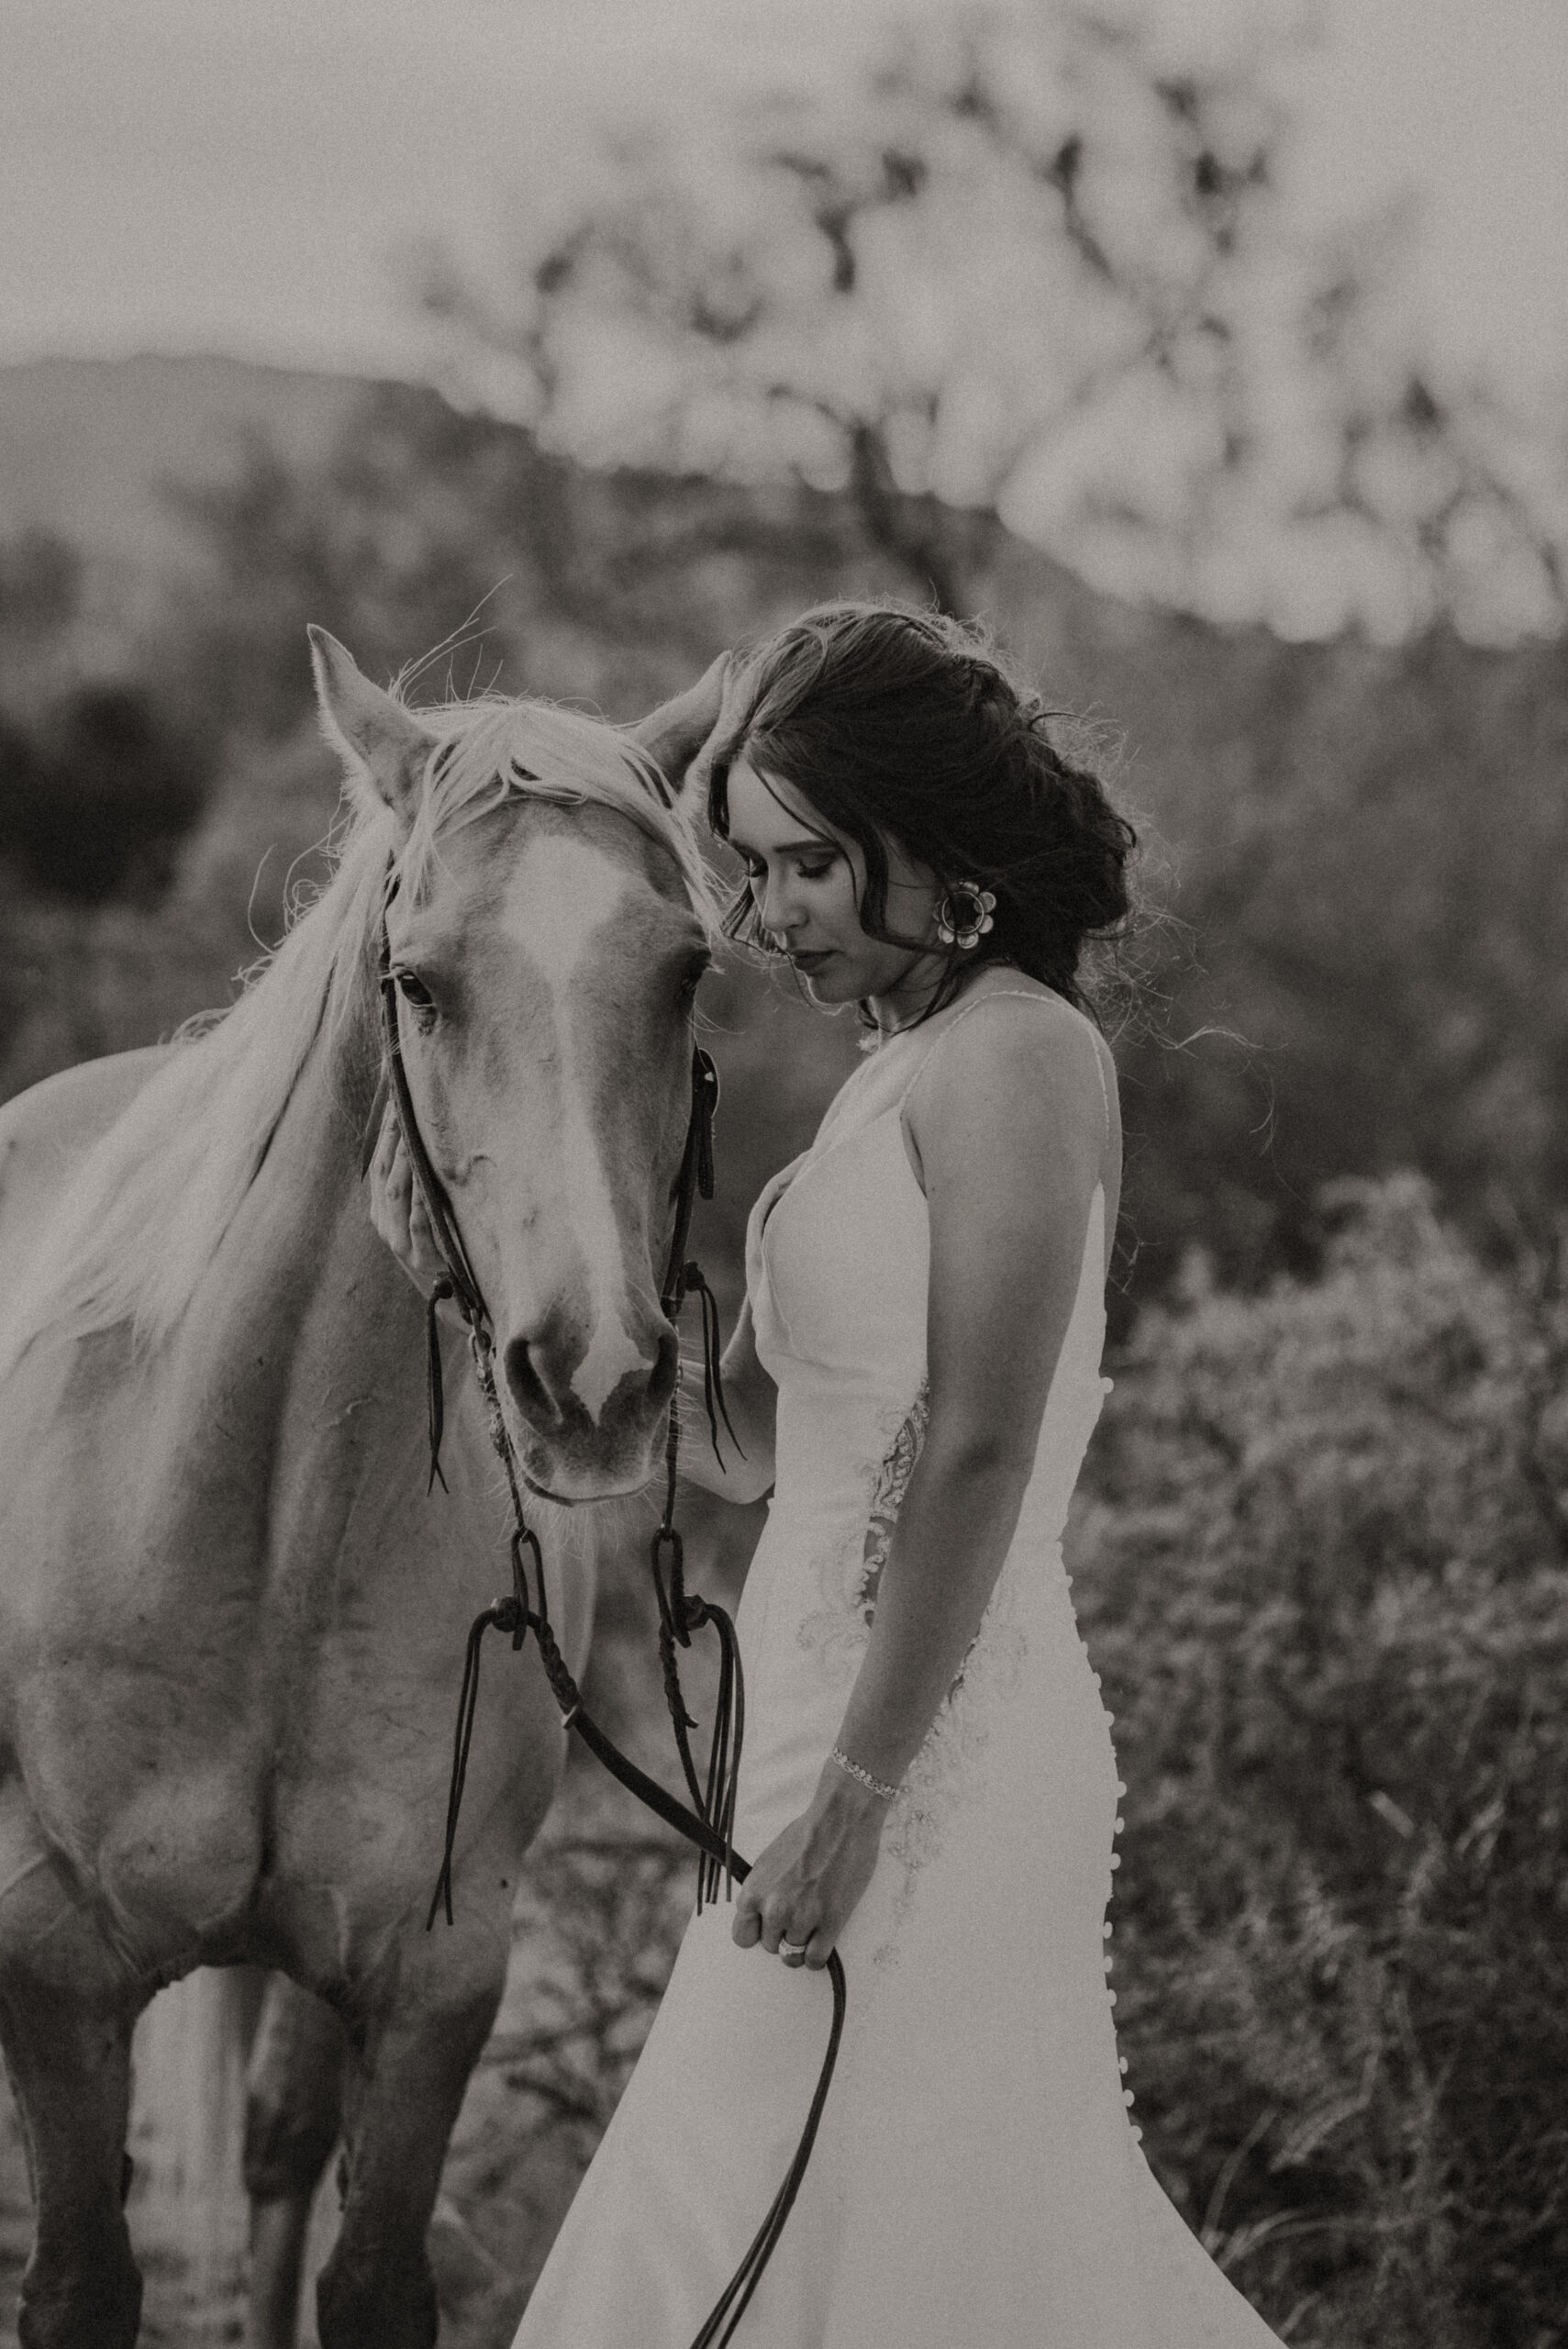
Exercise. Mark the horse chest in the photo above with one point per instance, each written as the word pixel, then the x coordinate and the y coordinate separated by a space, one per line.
pixel 239 1635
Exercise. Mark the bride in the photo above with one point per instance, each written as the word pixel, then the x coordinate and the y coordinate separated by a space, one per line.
pixel 929 1783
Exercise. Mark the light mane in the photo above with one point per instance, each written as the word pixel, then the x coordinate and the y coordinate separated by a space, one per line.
pixel 148 1209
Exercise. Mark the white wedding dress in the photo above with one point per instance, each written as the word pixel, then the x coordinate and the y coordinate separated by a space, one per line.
pixel 977 2182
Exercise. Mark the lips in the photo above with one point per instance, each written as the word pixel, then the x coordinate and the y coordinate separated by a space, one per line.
pixel 813 962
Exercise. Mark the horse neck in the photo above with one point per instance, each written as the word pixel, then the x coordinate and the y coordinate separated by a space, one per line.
pixel 302 1264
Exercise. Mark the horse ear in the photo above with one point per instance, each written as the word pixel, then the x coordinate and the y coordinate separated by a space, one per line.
pixel 681 733
pixel 383 745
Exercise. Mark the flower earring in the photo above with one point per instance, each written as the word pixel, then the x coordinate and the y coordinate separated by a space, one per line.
pixel 963 915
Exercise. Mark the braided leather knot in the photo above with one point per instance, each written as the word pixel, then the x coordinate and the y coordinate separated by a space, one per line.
pixel 674 1697
pixel 563 1687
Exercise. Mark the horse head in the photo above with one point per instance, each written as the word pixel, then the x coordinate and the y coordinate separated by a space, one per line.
pixel 547 922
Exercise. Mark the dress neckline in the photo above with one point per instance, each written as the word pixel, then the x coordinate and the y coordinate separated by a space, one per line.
pixel 824 1147
pixel 835 1133
pixel 975 991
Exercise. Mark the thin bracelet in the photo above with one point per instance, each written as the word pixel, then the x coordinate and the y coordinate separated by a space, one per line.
pixel 877 1785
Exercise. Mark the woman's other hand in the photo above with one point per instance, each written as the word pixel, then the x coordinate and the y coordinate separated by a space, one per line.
pixel 805 1886
pixel 682 734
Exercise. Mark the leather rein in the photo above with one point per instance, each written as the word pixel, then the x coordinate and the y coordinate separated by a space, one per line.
pixel 708 1821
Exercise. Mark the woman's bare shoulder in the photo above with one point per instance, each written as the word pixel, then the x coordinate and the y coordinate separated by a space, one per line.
pixel 1015 1083
pixel 1020 1032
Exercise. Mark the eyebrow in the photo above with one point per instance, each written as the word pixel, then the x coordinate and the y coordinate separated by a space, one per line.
pixel 814 842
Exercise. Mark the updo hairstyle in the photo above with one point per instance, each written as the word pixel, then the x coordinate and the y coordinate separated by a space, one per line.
pixel 899 724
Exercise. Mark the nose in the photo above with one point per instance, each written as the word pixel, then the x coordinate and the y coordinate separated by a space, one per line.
pixel 542 1368
pixel 779 912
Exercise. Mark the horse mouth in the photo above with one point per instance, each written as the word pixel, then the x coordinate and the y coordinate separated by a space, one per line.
pixel 563 1501
pixel 552 1466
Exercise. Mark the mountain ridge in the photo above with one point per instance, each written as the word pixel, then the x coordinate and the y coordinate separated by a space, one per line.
pixel 88 445
pixel 85 443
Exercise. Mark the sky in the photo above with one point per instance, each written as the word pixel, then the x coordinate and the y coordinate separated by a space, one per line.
pixel 249 176
pixel 176 175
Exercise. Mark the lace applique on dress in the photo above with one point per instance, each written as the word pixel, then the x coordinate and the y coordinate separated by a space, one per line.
pixel 838 1631
pixel 945 1775
pixel 886 1500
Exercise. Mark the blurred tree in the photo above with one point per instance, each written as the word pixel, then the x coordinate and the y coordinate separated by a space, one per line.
pixel 372 543
pixel 41 577
pixel 96 800
pixel 1449 499
pixel 41 583
pixel 424 532
pixel 1037 264
pixel 1373 865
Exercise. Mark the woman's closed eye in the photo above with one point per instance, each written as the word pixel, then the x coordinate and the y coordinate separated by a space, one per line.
pixel 806 868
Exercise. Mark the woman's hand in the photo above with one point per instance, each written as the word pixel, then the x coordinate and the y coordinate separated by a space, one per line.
pixel 398 1214
pixel 804 1888
pixel 681 732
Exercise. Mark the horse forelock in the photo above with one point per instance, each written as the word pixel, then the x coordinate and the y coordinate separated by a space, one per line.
pixel 149 1207
pixel 487 752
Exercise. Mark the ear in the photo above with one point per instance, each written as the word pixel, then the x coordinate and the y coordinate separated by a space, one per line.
pixel 381 744
pixel 682 734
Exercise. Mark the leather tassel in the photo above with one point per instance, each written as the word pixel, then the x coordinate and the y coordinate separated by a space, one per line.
pixel 435 1393
pixel 467 1705
pixel 693 1283
pixel 723 1758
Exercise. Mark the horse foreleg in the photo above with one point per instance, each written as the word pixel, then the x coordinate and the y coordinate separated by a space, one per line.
pixel 66 2011
pixel 377 2291
pixel 294 2111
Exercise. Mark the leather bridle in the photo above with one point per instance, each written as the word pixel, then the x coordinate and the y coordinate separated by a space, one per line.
pixel 709 1821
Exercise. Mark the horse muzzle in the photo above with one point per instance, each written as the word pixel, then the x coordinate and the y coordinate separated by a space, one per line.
pixel 588 1419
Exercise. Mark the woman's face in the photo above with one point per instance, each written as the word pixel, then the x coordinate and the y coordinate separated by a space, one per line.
pixel 807 883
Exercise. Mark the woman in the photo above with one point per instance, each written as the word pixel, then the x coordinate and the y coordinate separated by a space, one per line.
pixel 929 1783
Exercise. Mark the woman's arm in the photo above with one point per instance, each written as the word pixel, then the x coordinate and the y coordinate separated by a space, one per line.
pixel 1010 1130
pixel 1011 1136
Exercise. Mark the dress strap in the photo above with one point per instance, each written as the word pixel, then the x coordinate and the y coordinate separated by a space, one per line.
pixel 1017 995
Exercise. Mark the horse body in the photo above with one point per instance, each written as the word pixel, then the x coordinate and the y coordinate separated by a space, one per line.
pixel 203 1713
pixel 231 1614
pixel 232 1631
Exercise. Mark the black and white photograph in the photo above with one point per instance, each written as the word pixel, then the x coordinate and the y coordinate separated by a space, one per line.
pixel 784 1174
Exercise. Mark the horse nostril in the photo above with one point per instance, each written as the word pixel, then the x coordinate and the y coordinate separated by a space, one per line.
pixel 544 1379
pixel 528 1389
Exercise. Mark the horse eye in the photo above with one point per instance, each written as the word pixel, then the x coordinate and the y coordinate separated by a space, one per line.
pixel 412 989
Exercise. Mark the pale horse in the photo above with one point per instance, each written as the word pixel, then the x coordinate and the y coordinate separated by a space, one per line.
pixel 231 1614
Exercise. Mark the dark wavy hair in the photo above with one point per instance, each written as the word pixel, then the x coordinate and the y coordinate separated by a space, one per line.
pixel 898 724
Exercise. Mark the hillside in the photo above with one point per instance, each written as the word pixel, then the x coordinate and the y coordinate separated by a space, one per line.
pixel 86 444
pixel 1365 849
pixel 88 447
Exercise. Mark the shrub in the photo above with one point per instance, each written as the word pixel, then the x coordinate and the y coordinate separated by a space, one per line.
pixel 1322 1562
